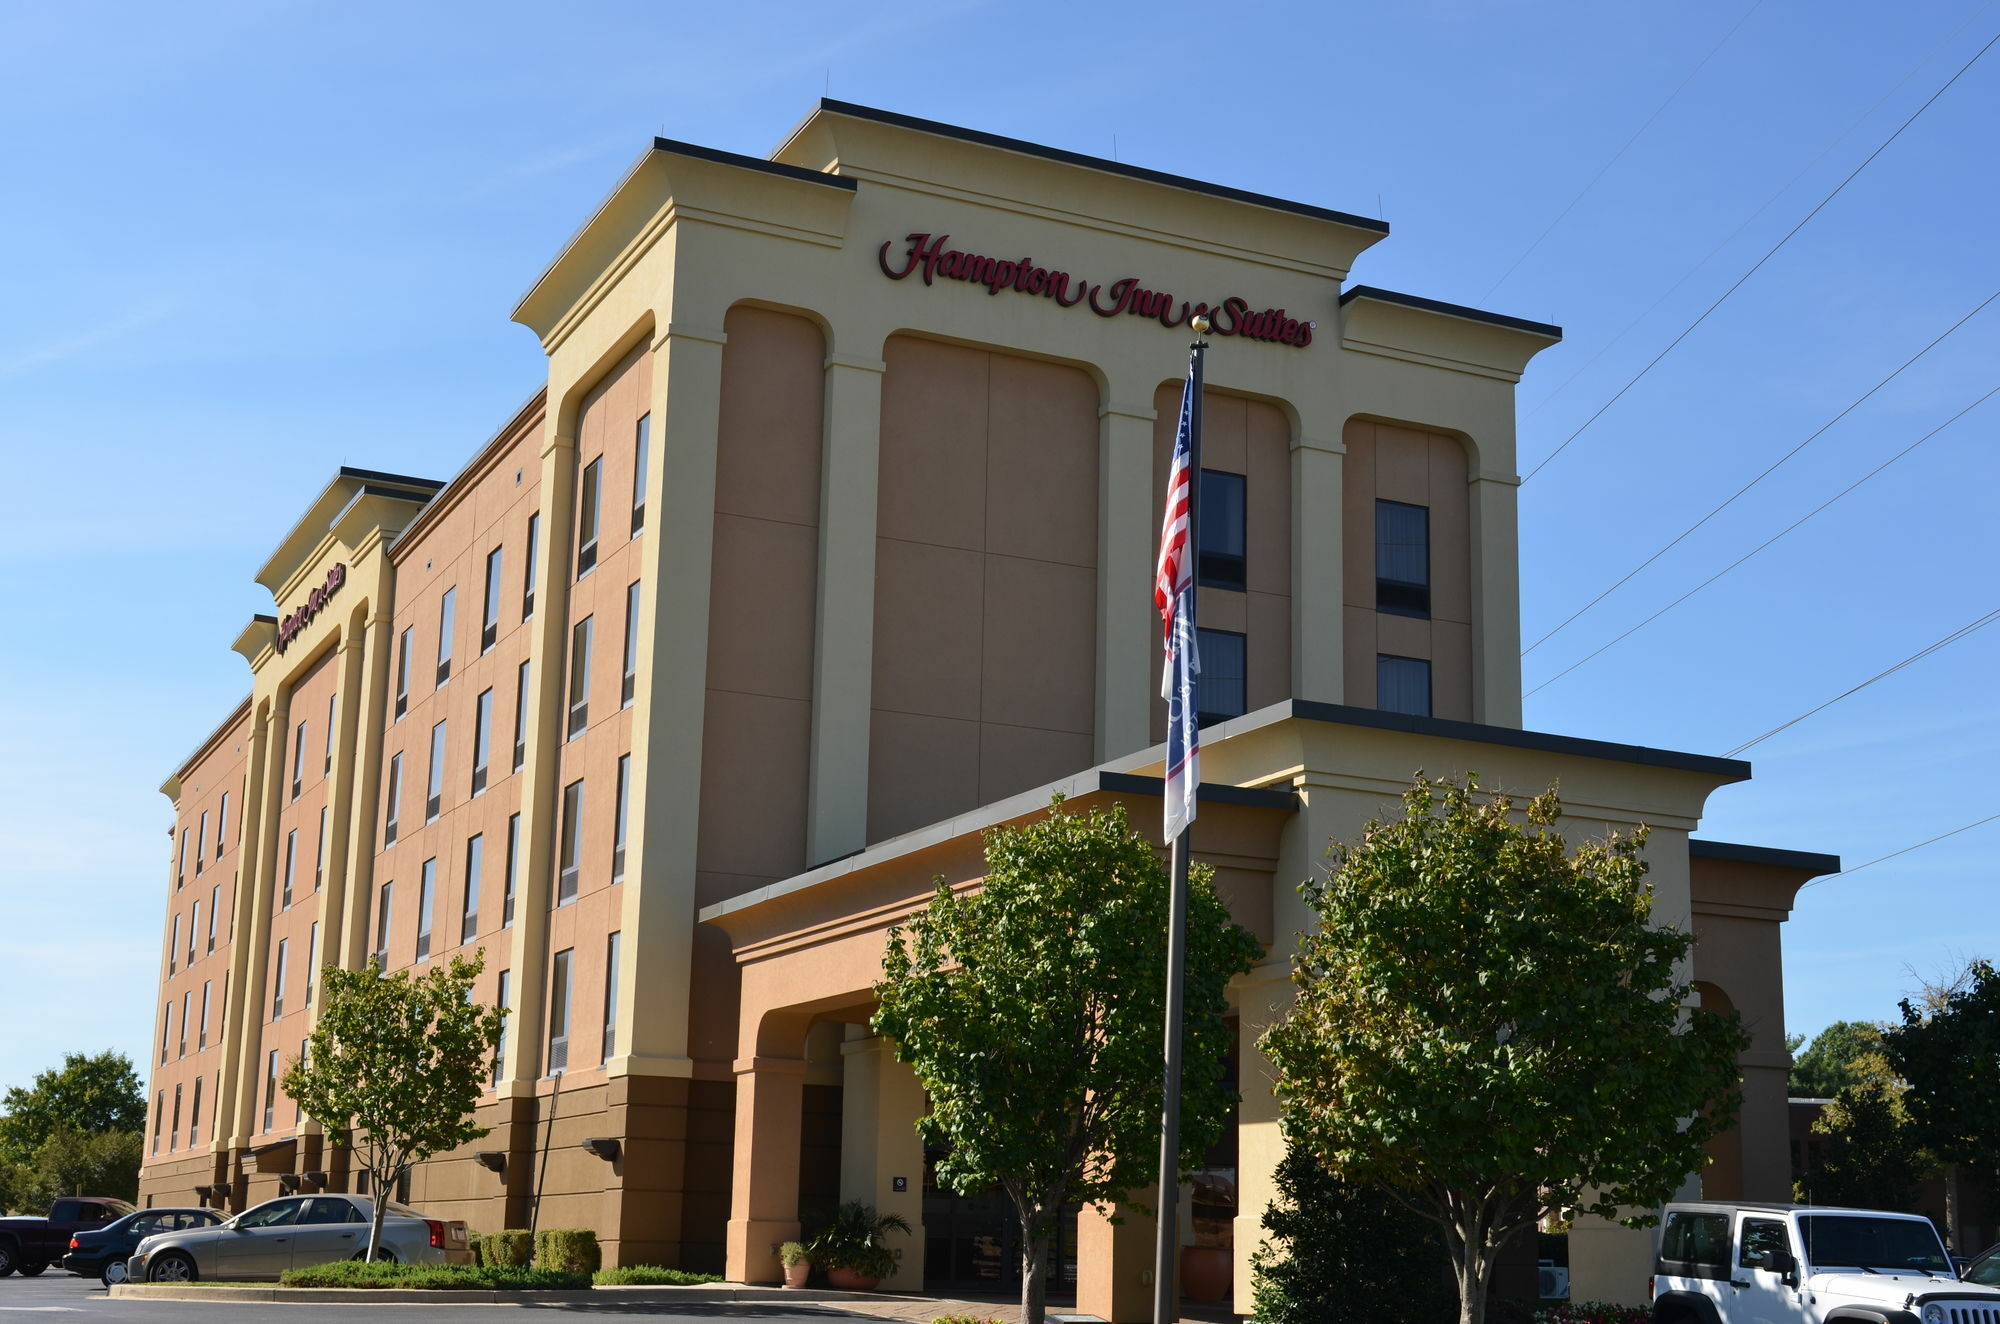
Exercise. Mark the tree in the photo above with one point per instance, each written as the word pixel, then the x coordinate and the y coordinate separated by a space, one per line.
pixel 1870 1156
pixel 1492 1029
pixel 1033 1012
pixel 1948 1049
pixel 394 1067
pixel 89 1093
pixel 1830 1063
pixel 71 1162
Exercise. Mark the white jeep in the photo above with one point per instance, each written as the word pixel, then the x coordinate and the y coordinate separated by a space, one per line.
pixel 1741 1263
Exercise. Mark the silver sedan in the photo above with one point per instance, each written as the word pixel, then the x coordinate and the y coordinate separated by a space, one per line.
pixel 294 1232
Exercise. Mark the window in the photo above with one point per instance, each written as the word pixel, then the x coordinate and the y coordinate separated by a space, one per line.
pixel 489 611
pixel 194 1115
pixel 610 997
pixel 199 838
pixel 298 759
pixel 214 909
pixel 174 1134
pixel 513 864
pixel 447 624
pixel 1760 1236
pixel 278 982
pixel 383 909
pixel 528 577
pixel 559 1014
pixel 641 445
pixel 468 926
pixel 201 1038
pixel 1695 1246
pixel 426 896
pixel 167 1032
pixel 572 841
pixel 291 868
pixel 394 796
pixel 521 718
pixel 271 1091
pixel 187 1005
pixel 618 824
pixel 1221 517
pixel 434 791
pixel 1403 685
pixel 1220 692
pixel 319 863
pixel 332 703
pixel 174 947
pixel 1402 559
pixel 630 684
pixel 579 676
pixel 194 931
pixel 159 1117
pixel 500 1000
pixel 312 961
pixel 221 825
pixel 482 739
pixel 586 518
pixel 404 643
pixel 180 869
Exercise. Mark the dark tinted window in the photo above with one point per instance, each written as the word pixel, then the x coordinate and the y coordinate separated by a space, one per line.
pixel 1985 1269
pixel 1222 531
pixel 1220 692
pixel 278 1213
pixel 327 1209
pixel 1840 1240
pixel 146 1225
pixel 1761 1236
pixel 1402 558
pixel 1695 1246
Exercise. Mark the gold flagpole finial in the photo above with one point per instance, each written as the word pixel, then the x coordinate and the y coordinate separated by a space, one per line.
pixel 1200 324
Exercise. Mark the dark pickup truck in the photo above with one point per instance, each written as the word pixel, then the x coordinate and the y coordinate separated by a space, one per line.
pixel 33 1244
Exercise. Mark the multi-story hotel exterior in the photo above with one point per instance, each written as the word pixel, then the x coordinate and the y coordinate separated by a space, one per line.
pixel 827 543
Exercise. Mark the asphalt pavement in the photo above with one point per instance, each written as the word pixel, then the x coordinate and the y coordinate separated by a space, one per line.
pixel 60 1297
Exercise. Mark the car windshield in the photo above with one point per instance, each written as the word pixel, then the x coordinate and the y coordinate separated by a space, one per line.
pixel 1838 1241
pixel 1985 1269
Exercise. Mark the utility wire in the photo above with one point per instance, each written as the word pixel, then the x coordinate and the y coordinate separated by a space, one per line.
pixel 1789 185
pixel 1767 542
pixel 1905 851
pixel 1768 255
pixel 1770 469
pixel 1924 652
pixel 1619 154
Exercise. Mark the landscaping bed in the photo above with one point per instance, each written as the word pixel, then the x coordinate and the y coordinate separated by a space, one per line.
pixel 435 1277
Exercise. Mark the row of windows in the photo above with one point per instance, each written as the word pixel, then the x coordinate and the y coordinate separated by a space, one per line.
pixel 167 1039
pixel 174 1135
pixel 1402 545
pixel 299 747
pixel 560 1000
pixel 196 839
pixel 1402 684
pixel 427 891
pixel 194 930
pixel 282 970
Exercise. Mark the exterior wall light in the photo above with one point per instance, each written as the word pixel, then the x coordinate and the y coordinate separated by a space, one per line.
pixel 493 1160
pixel 604 1147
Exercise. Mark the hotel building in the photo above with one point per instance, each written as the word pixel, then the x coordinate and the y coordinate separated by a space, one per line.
pixel 828 543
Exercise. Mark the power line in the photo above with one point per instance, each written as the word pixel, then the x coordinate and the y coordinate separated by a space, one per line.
pixel 1924 652
pixel 1905 851
pixel 1766 543
pixel 1617 155
pixel 1769 254
pixel 1768 471
pixel 1789 185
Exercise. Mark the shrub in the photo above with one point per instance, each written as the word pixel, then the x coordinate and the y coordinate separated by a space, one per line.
pixel 853 1241
pixel 793 1252
pixel 1592 1312
pixel 1347 1253
pixel 433 1277
pixel 568 1249
pixel 966 1319
pixel 651 1275
pixel 472 1240
pixel 505 1249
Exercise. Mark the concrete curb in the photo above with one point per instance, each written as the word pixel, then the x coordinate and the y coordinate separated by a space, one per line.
pixel 701 1294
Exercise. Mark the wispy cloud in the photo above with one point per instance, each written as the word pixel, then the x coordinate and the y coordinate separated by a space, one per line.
pixel 56 351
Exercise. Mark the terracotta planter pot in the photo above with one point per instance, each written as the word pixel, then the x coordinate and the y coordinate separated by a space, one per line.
pixel 796 1274
pixel 1206 1273
pixel 846 1280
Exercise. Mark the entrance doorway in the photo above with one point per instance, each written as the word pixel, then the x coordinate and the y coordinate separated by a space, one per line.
pixel 972 1243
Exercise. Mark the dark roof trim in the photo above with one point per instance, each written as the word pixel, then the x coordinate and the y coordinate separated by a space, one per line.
pixel 260 618
pixel 1808 861
pixel 383 476
pixel 1733 769
pixel 778 168
pixel 942 130
pixel 1450 310
pixel 1131 783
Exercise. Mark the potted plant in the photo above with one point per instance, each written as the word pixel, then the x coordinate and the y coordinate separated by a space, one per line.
pixel 850 1247
pixel 797 1263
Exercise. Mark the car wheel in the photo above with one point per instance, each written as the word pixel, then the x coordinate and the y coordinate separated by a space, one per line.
pixel 7 1260
pixel 172 1267
pixel 383 1255
pixel 113 1273
pixel 32 1270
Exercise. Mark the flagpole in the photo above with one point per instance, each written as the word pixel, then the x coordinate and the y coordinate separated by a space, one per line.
pixel 1167 1242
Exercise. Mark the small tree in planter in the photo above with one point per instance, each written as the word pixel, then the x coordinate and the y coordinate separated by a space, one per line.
pixel 850 1248
pixel 797 1262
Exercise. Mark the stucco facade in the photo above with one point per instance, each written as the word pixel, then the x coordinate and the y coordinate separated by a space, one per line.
pixel 828 542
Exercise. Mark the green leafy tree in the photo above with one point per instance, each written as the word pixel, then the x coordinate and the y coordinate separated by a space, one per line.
pixel 90 1093
pixel 394 1067
pixel 1832 1061
pixel 1869 1155
pixel 1490 1027
pixel 1033 1012
pixel 71 1162
pixel 1948 1049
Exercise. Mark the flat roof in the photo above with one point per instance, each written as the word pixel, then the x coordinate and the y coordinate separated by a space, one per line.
pixel 1808 861
pixel 1380 295
pixel 1025 148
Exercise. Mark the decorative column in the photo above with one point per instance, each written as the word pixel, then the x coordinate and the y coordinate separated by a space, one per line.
pixel 1318 667
pixel 1496 599
pixel 252 955
pixel 879 1106
pixel 764 1190
pixel 1261 997
pixel 844 628
pixel 1128 533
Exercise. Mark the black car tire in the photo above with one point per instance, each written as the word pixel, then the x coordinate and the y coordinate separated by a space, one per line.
pixel 7 1260
pixel 383 1255
pixel 32 1270
pixel 180 1261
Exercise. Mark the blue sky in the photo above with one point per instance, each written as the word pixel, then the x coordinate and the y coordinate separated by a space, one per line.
pixel 246 243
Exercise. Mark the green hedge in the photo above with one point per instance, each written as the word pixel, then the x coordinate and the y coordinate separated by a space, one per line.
pixel 505 1249
pixel 568 1250
pixel 651 1275
pixel 433 1277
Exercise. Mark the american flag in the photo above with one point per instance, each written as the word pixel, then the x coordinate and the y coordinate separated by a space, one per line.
pixel 1173 594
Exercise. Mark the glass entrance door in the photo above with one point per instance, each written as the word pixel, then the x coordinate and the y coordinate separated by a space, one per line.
pixel 972 1243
